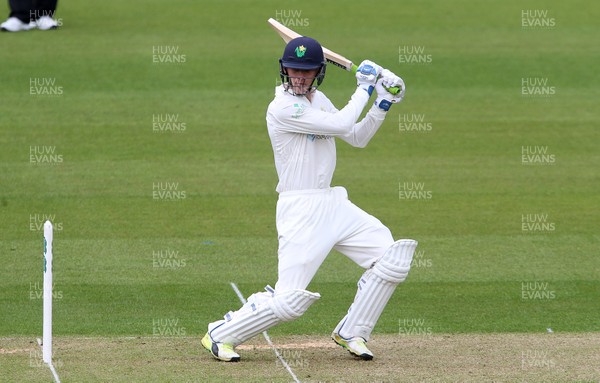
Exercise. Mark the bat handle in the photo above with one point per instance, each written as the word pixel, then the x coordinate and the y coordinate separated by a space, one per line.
pixel 393 90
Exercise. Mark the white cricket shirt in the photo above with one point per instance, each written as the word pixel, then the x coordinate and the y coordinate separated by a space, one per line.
pixel 303 135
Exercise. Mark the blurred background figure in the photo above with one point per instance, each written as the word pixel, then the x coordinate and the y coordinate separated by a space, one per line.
pixel 30 14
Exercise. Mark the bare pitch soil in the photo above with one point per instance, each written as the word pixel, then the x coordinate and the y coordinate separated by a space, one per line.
pixel 423 358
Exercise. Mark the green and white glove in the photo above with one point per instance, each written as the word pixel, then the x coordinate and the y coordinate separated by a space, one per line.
pixel 367 74
pixel 385 99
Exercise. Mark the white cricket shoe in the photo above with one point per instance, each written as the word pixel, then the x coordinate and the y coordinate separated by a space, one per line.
pixel 355 346
pixel 13 24
pixel 45 23
pixel 220 351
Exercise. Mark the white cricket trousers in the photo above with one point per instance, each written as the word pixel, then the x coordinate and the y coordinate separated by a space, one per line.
pixel 312 222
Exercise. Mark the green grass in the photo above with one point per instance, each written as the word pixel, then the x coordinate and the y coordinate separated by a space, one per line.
pixel 469 231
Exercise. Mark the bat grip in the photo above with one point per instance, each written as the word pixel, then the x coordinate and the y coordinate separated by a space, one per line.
pixel 393 90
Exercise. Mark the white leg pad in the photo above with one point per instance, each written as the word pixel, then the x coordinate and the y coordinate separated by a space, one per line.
pixel 261 312
pixel 375 288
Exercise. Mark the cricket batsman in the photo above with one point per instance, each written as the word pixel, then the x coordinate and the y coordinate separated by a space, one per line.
pixel 313 217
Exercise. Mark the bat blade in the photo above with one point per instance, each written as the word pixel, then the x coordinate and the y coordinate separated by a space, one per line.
pixel 339 60
pixel 284 32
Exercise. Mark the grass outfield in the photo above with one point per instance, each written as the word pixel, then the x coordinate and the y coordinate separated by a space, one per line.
pixel 498 131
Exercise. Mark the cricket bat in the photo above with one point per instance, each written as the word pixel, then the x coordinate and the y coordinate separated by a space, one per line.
pixel 334 58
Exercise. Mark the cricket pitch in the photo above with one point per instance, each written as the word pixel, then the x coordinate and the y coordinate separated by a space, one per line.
pixel 398 358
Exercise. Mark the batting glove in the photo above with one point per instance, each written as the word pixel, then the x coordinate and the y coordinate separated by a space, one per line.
pixel 385 99
pixel 367 74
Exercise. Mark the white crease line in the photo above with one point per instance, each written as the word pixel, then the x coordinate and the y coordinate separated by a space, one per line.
pixel 56 378
pixel 267 337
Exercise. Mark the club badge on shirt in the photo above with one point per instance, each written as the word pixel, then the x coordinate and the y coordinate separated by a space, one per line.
pixel 300 108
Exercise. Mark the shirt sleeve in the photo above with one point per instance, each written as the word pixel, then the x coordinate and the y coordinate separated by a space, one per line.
pixel 362 132
pixel 300 117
